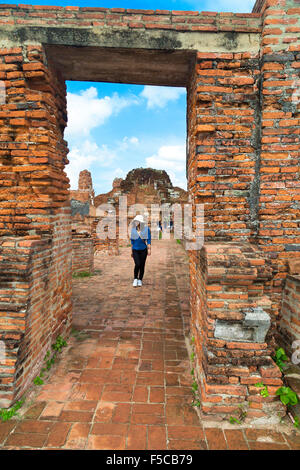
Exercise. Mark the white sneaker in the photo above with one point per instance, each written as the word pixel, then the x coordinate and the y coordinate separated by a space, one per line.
pixel 139 283
pixel 135 283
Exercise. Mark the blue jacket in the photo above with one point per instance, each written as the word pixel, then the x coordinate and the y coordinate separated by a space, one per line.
pixel 137 242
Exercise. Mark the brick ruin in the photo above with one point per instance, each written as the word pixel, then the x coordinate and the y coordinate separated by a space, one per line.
pixel 142 186
pixel 82 217
pixel 241 72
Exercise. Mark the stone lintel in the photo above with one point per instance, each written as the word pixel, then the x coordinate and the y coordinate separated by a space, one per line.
pixel 125 55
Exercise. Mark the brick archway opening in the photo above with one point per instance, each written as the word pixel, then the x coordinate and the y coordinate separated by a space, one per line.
pixel 242 143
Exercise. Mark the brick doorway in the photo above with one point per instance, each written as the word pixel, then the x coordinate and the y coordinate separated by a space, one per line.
pixel 242 161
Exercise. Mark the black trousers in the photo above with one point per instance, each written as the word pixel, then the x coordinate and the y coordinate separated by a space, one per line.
pixel 139 257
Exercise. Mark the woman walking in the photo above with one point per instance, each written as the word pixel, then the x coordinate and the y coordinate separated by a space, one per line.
pixel 141 248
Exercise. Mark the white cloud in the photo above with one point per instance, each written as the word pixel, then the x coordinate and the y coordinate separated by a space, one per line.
pixel 118 173
pixel 101 160
pixel 171 158
pixel 128 141
pixel 83 156
pixel 86 111
pixel 168 157
pixel 134 140
pixel 158 97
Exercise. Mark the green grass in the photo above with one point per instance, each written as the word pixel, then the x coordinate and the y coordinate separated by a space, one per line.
pixel 81 274
pixel 6 414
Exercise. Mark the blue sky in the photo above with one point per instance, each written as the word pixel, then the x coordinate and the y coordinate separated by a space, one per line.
pixel 113 128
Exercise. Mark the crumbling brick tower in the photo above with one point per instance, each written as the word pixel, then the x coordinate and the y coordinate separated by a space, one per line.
pixel 85 192
pixel 242 76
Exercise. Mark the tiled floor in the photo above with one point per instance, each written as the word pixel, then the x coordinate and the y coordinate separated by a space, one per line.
pixel 124 381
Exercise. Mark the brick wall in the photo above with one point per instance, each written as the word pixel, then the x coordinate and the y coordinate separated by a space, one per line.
pixel 35 301
pixel 278 214
pixel 32 147
pixel 106 245
pixel 223 133
pixel 227 281
pixel 82 254
pixel 129 18
pixel 290 314
pixel 35 218
pixel 243 164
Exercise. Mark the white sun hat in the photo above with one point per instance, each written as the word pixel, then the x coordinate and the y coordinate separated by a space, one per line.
pixel 139 218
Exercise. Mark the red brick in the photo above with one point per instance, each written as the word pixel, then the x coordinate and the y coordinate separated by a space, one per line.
pixel 137 438
pixel 76 416
pixel 77 437
pixel 235 439
pixel 215 439
pixel 106 443
pixel 58 434
pixel 157 438
pixel 26 440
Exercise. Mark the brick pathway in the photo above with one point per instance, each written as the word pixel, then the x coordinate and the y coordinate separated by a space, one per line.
pixel 124 381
